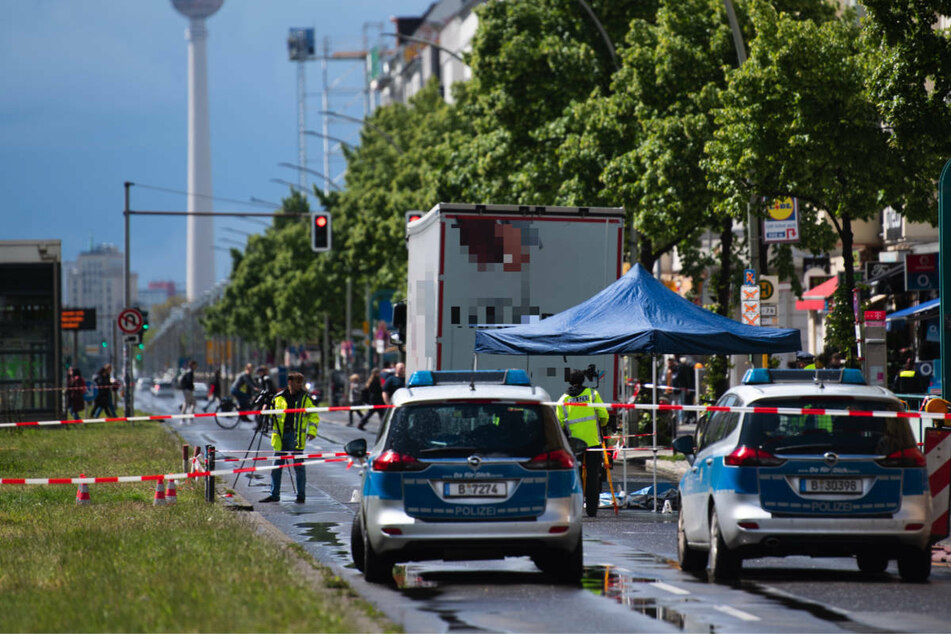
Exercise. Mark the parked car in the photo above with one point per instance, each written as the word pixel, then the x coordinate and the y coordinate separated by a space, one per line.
pixel 162 387
pixel 790 479
pixel 201 390
pixel 469 465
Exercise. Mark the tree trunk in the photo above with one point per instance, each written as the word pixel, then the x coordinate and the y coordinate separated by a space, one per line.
pixel 722 383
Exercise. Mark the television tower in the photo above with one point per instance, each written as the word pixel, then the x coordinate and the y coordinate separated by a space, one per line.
pixel 200 269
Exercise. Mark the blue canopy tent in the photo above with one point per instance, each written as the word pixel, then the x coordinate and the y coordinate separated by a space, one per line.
pixel 637 314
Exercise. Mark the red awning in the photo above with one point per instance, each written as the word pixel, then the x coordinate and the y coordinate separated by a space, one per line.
pixel 815 298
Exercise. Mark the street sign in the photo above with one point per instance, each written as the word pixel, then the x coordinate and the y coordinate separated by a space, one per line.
pixel 130 321
pixel 768 287
pixel 921 271
pixel 77 319
pixel 768 310
pixel 749 277
pixel 782 225
pixel 133 339
pixel 749 303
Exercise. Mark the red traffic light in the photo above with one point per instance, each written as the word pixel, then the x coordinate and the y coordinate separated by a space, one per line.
pixel 320 221
pixel 320 230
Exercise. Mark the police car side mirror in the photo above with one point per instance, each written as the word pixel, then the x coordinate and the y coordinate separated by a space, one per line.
pixel 684 445
pixel 356 448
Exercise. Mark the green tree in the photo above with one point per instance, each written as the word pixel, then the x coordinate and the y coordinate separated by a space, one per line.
pixel 797 121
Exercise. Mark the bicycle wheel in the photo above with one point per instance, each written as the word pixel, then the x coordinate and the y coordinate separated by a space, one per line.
pixel 226 422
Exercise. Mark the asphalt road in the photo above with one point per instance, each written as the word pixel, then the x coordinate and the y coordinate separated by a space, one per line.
pixel 632 582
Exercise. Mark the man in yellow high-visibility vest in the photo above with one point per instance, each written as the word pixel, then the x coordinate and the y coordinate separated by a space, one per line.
pixel 584 423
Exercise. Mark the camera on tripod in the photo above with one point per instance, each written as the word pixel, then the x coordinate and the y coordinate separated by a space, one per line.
pixel 262 400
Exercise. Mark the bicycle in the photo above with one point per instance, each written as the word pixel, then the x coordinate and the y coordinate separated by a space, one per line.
pixel 227 404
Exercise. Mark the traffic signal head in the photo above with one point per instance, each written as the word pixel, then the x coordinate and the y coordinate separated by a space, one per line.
pixel 320 231
pixel 105 344
pixel 145 320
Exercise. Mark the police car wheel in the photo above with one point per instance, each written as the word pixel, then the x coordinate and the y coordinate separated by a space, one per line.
pixel 722 563
pixel 871 563
pixel 376 568
pixel 356 543
pixel 690 559
pixel 914 565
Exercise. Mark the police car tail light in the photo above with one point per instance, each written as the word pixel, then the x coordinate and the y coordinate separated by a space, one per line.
pixel 393 461
pixel 558 459
pixel 744 456
pixel 910 457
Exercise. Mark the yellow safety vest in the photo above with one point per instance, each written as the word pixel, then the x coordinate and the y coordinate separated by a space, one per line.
pixel 582 422
pixel 303 430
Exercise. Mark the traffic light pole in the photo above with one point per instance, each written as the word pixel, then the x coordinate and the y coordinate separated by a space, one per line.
pixel 944 279
pixel 127 275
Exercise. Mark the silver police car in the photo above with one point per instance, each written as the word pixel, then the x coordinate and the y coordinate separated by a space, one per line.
pixel 790 479
pixel 468 465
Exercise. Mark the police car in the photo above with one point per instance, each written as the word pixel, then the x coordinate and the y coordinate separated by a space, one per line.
pixel 790 479
pixel 468 465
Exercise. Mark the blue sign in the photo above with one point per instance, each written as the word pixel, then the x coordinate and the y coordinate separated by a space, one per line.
pixel 749 277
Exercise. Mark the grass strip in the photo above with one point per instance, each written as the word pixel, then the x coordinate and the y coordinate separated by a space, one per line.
pixel 121 564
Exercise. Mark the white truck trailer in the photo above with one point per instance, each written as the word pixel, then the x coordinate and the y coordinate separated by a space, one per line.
pixel 487 266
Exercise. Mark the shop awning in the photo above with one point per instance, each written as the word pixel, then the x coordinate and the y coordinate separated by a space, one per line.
pixel 815 298
pixel 915 311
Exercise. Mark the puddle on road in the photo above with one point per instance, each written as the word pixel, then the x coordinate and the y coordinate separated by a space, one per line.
pixel 623 588
pixel 321 533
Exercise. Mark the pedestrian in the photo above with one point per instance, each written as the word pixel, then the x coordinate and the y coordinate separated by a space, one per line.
pixel 75 388
pixel 242 389
pixel 291 432
pixel 586 424
pixel 356 395
pixel 263 381
pixel 187 385
pixel 104 393
pixel 394 382
pixel 214 390
pixel 805 360
pixel 907 382
pixel 372 395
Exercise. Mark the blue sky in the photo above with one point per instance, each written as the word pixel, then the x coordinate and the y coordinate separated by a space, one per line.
pixel 94 93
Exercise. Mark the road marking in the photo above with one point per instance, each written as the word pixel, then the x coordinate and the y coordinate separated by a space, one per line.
pixel 669 588
pixel 740 614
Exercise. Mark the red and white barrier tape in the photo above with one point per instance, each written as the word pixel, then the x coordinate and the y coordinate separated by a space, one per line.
pixel 164 417
pixel 661 407
pixel 285 458
pixel 166 476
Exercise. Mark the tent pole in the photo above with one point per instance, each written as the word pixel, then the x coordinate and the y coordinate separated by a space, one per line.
pixel 625 414
pixel 654 421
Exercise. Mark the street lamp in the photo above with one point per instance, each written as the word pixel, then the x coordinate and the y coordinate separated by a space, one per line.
pixel 321 135
pixel 374 127
pixel 427 43
pixel 301 168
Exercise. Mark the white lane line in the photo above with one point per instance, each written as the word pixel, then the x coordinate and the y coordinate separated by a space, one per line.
pixel 739 614
pixel 669 588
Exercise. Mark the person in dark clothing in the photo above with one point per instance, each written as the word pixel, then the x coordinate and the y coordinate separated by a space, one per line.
pixel 74 396
pixel 394 382
pixel 187 385
pixel 105 388
pixel 373 395
pixel 214 390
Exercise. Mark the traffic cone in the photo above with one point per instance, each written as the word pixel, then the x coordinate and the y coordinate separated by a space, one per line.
pixel 82 493
pixel 171 495
pixel 159 499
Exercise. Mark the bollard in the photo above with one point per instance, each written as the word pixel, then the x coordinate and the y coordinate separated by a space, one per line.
pixel 210 480
pixel 185 458
pixel 159 498
pixel 171 493
pixel 82 493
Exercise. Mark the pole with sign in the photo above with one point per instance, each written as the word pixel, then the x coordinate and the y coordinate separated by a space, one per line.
pixel 944 244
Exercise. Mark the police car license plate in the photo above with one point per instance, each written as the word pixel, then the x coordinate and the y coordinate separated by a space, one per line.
pixel 475 489
pixel 830 485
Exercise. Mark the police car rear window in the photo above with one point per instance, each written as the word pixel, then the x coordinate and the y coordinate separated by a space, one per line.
pixel 448 430
pixel 819 433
